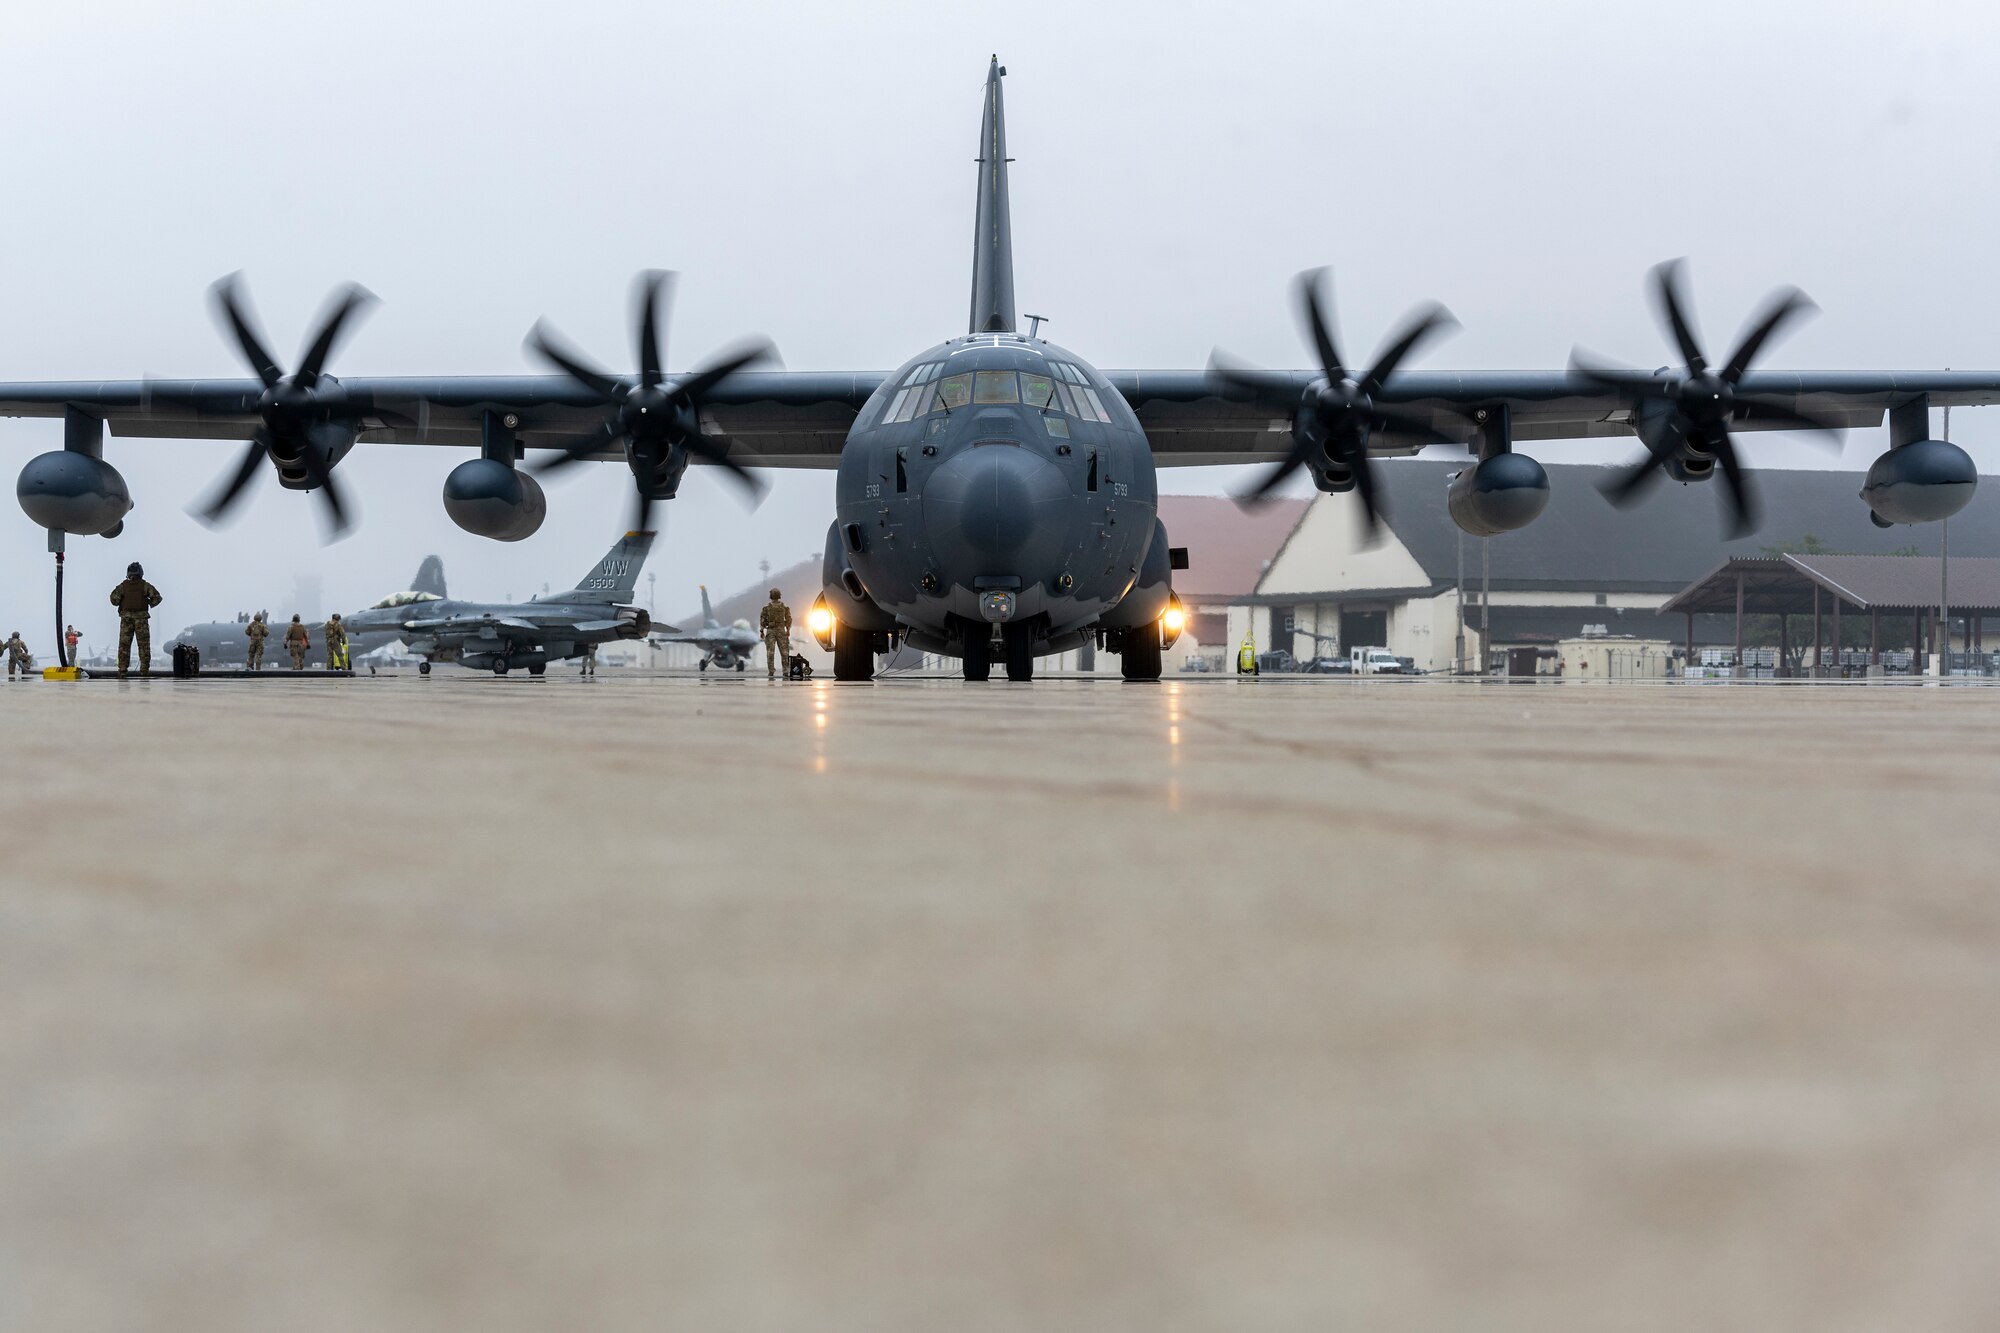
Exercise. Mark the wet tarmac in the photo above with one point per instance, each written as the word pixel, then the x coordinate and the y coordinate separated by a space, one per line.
pixel 645 1003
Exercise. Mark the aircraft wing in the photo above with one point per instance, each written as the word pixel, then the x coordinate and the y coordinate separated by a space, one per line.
pixel 800 419
pixel 1189 424
pixel 772 418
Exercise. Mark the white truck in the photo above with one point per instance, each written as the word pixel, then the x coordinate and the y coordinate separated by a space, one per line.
pixel 1375 662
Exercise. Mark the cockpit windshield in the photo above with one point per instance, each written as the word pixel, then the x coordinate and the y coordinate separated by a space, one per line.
pixel 404 599
pixel 1065 389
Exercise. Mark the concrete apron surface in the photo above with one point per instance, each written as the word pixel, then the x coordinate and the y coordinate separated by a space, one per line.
pixel 647 1003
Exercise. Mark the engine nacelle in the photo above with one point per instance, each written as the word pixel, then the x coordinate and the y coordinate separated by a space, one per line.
pixel 489 499
pixel 74 492
pixel 633 622
pixel 1499 494
pixel 1921 482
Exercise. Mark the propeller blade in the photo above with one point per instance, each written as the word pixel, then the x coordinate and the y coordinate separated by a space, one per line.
pixel 1402 423
pixel 1829 432
pixel 1276 477
pixel 1599 374
pixel 329 492
pixel 356 297
pixel 247 466
pixel 1356 458
pixel 1623 488
pixel 713 451
pixel 642 512
pixel 1744 513
pixel 697 385
pixel 230 307
pixel 1240 382
pixel 1319 324
pixel 654 284
pixel 1424 322
pixel 1784 305
pixel 1672 310
pixel 604 437
pixel 543 342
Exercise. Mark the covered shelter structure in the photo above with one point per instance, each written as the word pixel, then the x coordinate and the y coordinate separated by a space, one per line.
pixel 1892 587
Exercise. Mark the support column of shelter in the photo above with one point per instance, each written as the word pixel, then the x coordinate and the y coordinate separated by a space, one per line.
pixel 1874 640
pixel 1836 638
pixel 1736 663
pixel 1819 643
pixel 1690 641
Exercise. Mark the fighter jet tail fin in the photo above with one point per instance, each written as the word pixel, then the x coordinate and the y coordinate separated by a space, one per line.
pixel 430 577
pixel 614 577
pixel 707 613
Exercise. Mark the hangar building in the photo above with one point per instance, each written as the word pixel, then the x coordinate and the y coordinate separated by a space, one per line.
pixel 1582 565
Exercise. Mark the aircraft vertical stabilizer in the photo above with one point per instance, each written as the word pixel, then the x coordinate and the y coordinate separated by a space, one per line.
pixel 430 577
pixel 707 612
pixel 614 577
pixel 993 241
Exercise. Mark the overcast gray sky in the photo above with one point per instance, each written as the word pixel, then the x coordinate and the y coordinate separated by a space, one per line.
pixel 808 170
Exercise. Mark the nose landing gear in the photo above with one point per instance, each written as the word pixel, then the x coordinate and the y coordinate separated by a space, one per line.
pixel 1017 637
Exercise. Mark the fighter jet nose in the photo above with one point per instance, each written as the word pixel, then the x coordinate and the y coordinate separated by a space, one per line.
pixel 991 505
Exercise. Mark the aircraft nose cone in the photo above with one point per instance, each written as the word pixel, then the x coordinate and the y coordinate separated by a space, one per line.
pixel 991 507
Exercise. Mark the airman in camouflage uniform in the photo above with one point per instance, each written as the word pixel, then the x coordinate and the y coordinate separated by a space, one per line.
pixel 296 643
pixel 17 656
pixel 135 599
pixel 774 622
pixel 335 635
pixel 257 631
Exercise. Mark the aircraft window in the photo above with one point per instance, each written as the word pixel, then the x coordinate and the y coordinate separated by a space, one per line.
pixel 921 373
pixel 896 407
pixel 404 599
pixel 1066 371
pixel 1097 406
pixel 936 427
pixel 1036 390
pixel 1063 399
pixel 996 386
pixel 955 391
pixel 1058 426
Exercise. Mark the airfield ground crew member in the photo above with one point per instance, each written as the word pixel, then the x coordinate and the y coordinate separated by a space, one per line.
pixel 774 622
pixel 257 631
pixel 70 641
pixel 135 599
pixel 335 635
pixel 17 656
pixel 296 643
pixel 589 667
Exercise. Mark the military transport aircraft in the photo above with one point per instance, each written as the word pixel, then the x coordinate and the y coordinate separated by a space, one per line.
pixel 531 634
pixel 223 642
pixel 721 645
pixel 996 492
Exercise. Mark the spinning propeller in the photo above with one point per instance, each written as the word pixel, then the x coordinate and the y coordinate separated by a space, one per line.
pixel 658 421
pixel 306 420
pixel 1334 419
pixel 1688 414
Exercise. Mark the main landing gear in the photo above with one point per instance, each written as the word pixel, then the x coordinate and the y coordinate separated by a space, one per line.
pixel 1140 659
pixel 1017 637
pixel 423 668
pixel 853 654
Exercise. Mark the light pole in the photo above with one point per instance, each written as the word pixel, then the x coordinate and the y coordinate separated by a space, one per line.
pixel 1944 580
pixel 1485 605
pixel 1458 652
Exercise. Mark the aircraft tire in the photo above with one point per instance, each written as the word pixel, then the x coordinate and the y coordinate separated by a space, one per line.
pixel 538 668
pixel 500 665
pixel 739 664
pixel 1141 658
pixel 704 664
pixel 423 668
pixel 1019 641
pixel 853 655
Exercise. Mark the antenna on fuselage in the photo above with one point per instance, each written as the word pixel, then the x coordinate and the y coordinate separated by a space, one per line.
pixel 1035 323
